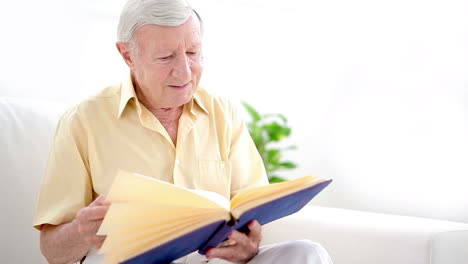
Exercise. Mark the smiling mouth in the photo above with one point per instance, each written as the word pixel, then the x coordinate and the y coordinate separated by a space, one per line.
pixel 179 86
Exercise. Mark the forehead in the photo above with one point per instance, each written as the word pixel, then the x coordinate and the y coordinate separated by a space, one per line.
pixel 161 37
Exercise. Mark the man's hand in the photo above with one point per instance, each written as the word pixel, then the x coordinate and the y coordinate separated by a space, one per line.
pixel 69 242
pixel 241 247
pixel 89 219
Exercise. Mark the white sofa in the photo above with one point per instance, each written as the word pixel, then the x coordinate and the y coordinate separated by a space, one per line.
pixel 27 128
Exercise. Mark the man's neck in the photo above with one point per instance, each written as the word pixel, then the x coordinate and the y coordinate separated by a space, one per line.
pixel 167 116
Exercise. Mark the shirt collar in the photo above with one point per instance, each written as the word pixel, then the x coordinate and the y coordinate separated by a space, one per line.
pixel 197 99
pixel 127 92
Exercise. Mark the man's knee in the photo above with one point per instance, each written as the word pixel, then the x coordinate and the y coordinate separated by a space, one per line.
pixel 300 251
pixel 305 251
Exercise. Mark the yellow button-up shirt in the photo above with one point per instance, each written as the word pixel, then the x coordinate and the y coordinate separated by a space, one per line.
pixel 112 131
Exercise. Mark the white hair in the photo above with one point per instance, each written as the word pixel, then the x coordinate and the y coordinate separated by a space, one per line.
pixel 137 13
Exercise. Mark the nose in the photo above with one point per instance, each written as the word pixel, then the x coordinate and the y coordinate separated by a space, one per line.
pixel 181 68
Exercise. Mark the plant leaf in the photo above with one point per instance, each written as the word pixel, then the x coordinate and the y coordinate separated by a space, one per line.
pixel 276 179
pixel 253 113
pixel 275 131
pixel 288 165
pixel 273 156
pixel 290 147
pixel 282 117
pixel 265 129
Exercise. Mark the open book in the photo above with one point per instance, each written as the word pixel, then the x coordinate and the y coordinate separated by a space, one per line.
pixel 152 221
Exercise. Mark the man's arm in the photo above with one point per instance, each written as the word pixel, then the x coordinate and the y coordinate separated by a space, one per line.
pixel 70 242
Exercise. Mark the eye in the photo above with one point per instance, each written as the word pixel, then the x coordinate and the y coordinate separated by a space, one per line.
pixel 192 53
pixel 165 58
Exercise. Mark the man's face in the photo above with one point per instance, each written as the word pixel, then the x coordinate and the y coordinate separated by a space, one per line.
pixel 167 63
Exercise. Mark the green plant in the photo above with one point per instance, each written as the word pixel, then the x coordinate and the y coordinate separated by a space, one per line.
pixel 266 131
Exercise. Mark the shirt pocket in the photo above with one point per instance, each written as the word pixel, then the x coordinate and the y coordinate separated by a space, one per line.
pixel 213 175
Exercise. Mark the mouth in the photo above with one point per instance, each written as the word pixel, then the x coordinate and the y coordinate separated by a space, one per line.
pixel 180 86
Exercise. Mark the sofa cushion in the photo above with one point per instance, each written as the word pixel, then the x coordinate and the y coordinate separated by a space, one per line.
pixel 363 237
pixel 28 127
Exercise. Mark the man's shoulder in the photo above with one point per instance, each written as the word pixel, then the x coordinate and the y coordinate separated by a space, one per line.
pixel 105 101
pixel 107 97
pixel 213 103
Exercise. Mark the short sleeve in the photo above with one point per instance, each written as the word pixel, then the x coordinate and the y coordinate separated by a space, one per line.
pixel 66 186
pixel 247 168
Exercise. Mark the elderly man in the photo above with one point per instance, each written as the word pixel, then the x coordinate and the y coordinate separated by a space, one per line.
pixel 158 122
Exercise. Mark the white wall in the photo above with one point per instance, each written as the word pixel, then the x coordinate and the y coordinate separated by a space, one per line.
pixel 375 90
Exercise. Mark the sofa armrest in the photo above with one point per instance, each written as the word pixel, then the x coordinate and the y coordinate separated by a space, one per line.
pixel 450 247
pixel 28 127
pixel 363 237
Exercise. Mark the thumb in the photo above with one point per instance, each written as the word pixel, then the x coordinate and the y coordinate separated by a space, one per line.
pixel 101 200
pixel 255 229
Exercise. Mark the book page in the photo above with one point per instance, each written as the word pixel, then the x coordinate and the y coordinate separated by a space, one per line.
pixel 215 197
pixel 138 188
pixel 120 215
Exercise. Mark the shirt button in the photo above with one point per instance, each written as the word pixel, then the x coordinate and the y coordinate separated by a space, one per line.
pixel 177 162
pixel 222 165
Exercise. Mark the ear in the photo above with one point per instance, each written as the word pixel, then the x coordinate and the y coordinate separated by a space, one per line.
pixel 125 52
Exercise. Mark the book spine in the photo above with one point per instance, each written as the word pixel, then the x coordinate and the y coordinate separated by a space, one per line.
pixel 218 237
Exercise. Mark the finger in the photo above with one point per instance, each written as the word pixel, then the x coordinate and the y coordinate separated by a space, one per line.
pixel 243 249
pixel 255 233
pixel 89 227
pixel 99 241
pixel 239 237
pixel 95 241
pixel 101 200
pixel 89 219
pixel 230 242
pixel 93 213
pixel 98 212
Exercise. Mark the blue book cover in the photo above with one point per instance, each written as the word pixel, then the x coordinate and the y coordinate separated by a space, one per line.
pixel 211 235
